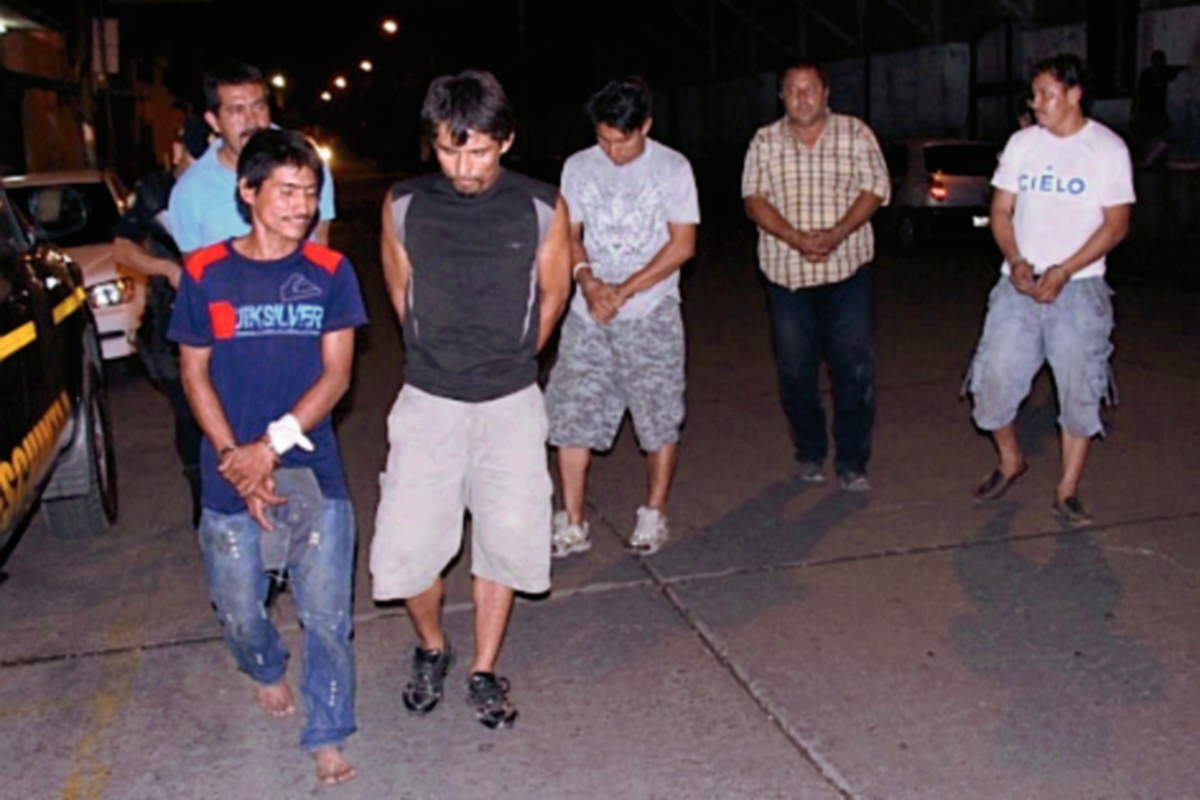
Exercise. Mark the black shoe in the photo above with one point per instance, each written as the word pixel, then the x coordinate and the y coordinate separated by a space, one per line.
pixel 1071 513
pixel 996 484
pixel 488 695
pixel 429 670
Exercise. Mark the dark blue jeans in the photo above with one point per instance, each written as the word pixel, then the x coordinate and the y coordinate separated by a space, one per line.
pixel 834 321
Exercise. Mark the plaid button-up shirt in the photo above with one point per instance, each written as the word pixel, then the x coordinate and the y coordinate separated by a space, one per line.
pixel 813 189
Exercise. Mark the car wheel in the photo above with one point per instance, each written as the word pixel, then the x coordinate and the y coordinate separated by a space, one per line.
pixel 908 232
pixel 94 512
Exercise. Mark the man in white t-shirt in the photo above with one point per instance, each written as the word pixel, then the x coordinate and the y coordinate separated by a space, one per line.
pixel 634 212
pixel 1063 196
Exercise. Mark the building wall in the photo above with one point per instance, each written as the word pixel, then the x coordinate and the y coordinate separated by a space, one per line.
pixel 40 53
pixel 1176 31
pixel 719 119
pixel 49 114
pixel 921 92
pixel 52 136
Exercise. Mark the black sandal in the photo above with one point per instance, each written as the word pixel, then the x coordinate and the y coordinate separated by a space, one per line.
pixel 995 485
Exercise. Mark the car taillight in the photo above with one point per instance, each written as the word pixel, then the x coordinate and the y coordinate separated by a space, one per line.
pixel 937 187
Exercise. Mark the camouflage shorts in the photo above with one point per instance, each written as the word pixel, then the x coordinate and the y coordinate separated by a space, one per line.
pixel 604 370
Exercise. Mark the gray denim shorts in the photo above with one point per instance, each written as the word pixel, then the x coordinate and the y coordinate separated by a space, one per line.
pixel 1020 334
pixel 602 370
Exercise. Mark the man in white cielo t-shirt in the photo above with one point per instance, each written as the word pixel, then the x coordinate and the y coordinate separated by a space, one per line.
pixel 1063 195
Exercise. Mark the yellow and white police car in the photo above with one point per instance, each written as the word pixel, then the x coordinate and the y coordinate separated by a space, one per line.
pixel 55 440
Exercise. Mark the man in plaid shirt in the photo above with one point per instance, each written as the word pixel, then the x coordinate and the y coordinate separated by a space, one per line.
pixel 811 182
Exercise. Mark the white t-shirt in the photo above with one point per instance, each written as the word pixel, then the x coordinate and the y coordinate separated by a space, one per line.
pixel 625 211
pixel 1061 184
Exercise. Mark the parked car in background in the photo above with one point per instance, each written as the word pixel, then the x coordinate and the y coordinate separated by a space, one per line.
pixel 77 211
pixel 55 440
pixel 940 187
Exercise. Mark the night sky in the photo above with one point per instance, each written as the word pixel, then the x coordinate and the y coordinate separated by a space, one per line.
pixel 311 48
pixel 567 48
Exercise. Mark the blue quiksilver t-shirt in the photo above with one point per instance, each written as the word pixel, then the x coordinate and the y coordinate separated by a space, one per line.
pixel 264 321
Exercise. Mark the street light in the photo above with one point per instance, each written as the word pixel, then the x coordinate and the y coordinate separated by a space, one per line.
pixel 339 82
pixel 326 97
pixel 365 65
pixel 277 80
pixel 390 27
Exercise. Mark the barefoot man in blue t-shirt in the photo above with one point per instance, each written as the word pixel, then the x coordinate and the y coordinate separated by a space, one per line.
pixel 265 324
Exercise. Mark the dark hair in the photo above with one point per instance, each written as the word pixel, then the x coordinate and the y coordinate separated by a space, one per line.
pixel 1067 69
pixel 806 63
pixel 194 135
pixel 624 103
pixel 268 150
pixel 229 73
pixel 472 100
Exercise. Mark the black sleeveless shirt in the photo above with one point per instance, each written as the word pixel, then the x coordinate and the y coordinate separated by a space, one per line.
pixel 471 321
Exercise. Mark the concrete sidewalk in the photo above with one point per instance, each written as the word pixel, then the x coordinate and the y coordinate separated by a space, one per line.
pixel 789 642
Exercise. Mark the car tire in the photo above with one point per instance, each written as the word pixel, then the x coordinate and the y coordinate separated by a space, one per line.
pixel 908 232
pixel 94 512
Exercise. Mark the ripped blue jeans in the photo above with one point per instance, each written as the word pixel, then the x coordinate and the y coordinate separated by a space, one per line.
pixel 321 570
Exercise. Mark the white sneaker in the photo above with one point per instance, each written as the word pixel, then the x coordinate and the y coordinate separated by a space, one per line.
pixel 650 533
pixel 567 538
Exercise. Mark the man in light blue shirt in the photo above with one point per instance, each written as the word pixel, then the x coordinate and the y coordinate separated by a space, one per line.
pixel 202 208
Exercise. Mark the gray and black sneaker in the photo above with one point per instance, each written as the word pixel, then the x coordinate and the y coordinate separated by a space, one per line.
pixel 429 670
pixel 488 695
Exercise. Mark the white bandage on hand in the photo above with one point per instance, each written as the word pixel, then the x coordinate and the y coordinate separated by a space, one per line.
pixel 285 433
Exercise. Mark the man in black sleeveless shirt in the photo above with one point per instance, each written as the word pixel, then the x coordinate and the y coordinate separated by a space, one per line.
pixel 477 262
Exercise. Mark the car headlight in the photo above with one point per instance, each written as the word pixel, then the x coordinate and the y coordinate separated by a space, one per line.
pixel 110 293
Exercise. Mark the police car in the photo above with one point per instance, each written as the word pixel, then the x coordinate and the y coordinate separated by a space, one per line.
pixel 77 211
pixel 55 440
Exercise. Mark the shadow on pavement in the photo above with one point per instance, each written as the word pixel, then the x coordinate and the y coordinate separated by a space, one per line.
pixel 761 532
pixel 1047 633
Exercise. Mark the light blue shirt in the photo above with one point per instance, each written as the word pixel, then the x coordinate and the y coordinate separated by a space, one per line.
pixel 202 209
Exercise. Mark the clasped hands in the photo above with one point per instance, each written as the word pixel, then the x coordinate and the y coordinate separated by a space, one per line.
pixel 815 245
pixel 250 468
pixel 604 300
pixel 1043 288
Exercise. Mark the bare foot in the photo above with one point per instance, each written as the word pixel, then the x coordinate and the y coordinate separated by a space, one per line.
pixel 275 699
pixel 332 767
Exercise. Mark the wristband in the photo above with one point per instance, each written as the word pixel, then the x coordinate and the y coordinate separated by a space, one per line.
pixel 285 433
pixel 224 451
pixel 575 269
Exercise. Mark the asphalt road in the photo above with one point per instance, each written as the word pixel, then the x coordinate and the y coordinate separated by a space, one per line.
pixel 789 642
